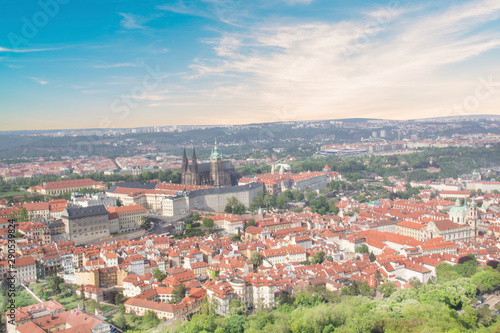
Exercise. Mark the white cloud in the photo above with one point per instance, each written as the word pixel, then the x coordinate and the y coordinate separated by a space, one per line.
pixel 118 65
pixel 395 64
pixel 298 2
pixel 225 11
pixel 130 21
pixel 91 92
pixel 7 50
pixel 39 81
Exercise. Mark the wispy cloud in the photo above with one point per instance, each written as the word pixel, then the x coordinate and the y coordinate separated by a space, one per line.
pixel 227 11
pixel 181 7
pixel 8 50
pixel 366 67
pixel 39 81
pixel 131 21
pixel 298 2
pixel 91 92
pixel 119 65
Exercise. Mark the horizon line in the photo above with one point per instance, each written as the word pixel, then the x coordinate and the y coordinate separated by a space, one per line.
pixel 254 123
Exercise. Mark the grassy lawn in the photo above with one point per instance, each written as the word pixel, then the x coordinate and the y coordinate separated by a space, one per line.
pixel 67 299
pixel 128 317
pixel 90 306
pixel 12 193
pixel 23 298
pixel 124 233
pixel 70 301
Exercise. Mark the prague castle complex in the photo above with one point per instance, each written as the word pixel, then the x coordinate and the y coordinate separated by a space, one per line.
pixel 214 173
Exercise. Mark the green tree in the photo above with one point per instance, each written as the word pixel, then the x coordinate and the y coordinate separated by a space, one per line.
pixel 332 206
pixel 307 300
pixel 362 249
pixel 55 284
pixel 122 323
pixel 250 223
pixel 159 275
pixel 145 223
pixel 486 279
pixel 256 259
pixel 310 195
pixel 239 208
pixel 445 273
pixel 23 215
pixel 318 257
pixel 179 293
pixel 415 282
pixel 119 299
pixel 387 289
pixel 235 324
pixel 297 195
pixel 150 319
pixel 357 288
pixel 208 222
pixel 237 308
pixel 467 266
pixel 201 323
pixel 469 317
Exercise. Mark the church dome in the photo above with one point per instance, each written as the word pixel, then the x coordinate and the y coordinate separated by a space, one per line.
pixel 458 210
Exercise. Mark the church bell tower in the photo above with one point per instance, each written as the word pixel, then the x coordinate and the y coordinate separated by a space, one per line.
pixel 216 167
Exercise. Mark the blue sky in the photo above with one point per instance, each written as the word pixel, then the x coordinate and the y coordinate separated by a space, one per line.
pixel 105 64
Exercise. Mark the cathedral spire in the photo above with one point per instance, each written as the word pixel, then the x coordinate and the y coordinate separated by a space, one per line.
pixel 215 153
pixel 194 162
pixel 184 164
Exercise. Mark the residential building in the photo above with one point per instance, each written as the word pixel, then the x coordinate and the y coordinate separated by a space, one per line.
pixel 86 224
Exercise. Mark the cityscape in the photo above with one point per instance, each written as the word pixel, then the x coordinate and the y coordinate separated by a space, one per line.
pixel 267 166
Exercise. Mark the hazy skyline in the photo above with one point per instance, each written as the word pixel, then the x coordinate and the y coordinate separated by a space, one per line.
pixel 69 64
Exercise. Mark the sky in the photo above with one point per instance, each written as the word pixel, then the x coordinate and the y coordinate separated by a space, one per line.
pixel 123 63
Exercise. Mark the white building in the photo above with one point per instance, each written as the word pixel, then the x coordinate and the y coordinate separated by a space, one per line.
pixel 256 292
pixel 283 255
pixel 95 199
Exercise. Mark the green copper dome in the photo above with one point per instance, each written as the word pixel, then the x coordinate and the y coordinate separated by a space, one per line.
pixel 459 210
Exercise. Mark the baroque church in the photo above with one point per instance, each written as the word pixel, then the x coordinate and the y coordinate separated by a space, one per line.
pixel 467 215
pixel 214 173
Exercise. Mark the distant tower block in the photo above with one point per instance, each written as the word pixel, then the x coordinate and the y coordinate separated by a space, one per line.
pixel 383 133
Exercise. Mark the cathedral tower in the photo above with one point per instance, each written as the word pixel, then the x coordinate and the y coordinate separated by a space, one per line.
pixel 194 170
pixel 216 167
pixel 184 168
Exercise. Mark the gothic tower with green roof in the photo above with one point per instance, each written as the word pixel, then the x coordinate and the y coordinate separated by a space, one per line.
pixel 216 167
pixel 215 172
